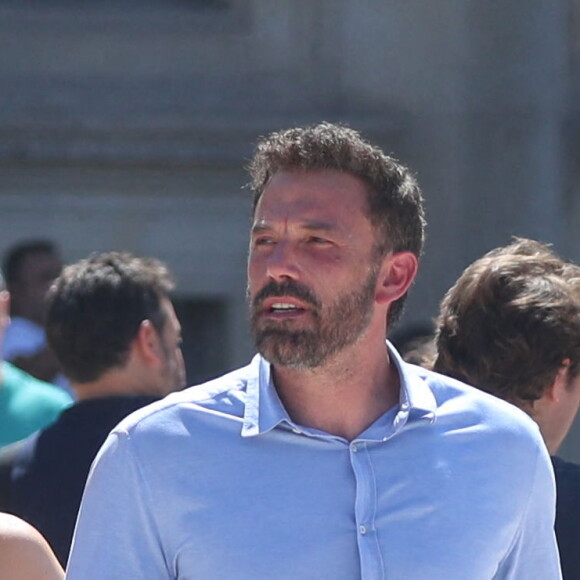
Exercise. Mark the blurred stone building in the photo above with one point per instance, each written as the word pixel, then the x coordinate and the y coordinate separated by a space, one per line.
pixel 125 124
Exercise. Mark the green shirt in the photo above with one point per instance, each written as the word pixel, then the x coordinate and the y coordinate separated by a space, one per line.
pixel 27 404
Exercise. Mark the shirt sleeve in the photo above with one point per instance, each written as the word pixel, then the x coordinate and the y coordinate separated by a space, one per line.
pixel 22 338
pixel 534 552
pixel 116 537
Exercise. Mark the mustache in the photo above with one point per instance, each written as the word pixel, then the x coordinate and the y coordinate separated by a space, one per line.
pixel 286 288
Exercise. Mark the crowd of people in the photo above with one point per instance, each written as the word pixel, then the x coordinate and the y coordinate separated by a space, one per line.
pixel 331 454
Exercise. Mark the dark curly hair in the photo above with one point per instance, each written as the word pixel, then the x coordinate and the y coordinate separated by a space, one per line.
pixel 96 307
pixel 395 203
pixel 510 321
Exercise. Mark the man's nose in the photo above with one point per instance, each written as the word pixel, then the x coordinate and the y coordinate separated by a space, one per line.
pixel 282 262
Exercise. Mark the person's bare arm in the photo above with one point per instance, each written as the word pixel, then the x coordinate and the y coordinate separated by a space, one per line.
pixel 24 553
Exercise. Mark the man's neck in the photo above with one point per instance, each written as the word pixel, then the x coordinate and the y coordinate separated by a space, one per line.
pixel 112 384
pixel 342 397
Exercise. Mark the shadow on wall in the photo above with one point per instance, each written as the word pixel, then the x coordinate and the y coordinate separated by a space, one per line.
pixel 205 337
pixel 416 343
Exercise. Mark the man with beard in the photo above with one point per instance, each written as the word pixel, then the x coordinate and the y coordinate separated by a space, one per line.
pixel 327 456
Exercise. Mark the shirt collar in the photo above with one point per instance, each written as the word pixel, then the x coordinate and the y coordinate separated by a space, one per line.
pixel 264 410
pixel 416 399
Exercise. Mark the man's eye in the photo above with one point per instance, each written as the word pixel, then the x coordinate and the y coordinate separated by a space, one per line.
pixel 317 240
pixel 263 241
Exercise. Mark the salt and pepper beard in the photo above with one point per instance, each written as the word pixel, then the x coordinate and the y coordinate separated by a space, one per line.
pixel 333 327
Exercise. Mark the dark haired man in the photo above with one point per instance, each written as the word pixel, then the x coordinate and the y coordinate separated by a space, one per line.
pixel 112 325
pixel 510 326
pixel 326 457
pixel 29 268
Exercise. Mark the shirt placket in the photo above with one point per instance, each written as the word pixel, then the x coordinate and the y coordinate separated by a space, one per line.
pixel 371 560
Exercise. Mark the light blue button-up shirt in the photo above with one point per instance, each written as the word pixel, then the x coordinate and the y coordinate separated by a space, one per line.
pixel 217 482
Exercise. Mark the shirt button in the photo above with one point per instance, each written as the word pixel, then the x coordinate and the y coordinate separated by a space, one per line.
pixel 362 530
pixel 297 431
pixel 353 447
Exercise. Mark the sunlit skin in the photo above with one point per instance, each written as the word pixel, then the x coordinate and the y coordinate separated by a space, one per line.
pixel 312 229
pixel 24 553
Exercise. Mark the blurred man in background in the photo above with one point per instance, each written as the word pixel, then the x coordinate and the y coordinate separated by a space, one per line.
pixel 29 268
pixel 114 330
pixel 26 404
pixel 511 326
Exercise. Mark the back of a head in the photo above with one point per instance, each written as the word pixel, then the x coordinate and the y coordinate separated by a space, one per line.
pixel 96 307
pixel 15 256
pixel 510 321
pixel 394 198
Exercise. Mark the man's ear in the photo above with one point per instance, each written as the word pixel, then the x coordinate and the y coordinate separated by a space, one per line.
pixel 557 389
pixel 147 342
pixel 396 275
